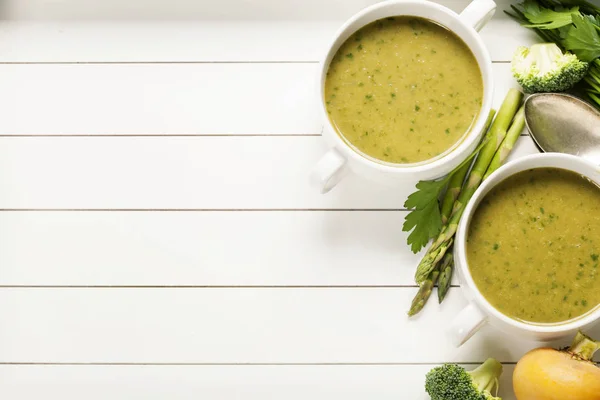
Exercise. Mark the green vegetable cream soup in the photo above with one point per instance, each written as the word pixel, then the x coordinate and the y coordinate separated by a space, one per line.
pixel 533 246
pixel 403 90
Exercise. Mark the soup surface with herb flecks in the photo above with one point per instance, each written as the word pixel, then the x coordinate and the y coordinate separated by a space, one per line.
pixel 403 90
pixel 533 246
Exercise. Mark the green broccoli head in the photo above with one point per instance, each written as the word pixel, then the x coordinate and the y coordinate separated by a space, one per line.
pixel 452 382
pixel 544 68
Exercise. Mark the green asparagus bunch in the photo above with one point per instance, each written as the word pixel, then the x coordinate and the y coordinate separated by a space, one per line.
pixel 437 264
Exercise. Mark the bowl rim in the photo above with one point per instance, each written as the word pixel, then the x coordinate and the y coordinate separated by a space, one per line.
pixel 454 153
pixel 533 161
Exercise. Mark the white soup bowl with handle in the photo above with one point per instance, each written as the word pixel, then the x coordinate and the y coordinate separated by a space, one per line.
pixel 479 311
pixel 342 157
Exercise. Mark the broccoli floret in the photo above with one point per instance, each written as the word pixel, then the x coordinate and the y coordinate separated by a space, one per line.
pixel 452 382
pixel 544 68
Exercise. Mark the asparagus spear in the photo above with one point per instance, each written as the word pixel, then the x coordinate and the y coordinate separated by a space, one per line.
pixel 453 190
pixel 458 178
pixel 496 135
pixel 424 292
pixel 445 278
pixel 442 274
pixel 508 143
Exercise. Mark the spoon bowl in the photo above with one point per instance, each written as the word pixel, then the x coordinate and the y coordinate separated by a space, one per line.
pixel 561 123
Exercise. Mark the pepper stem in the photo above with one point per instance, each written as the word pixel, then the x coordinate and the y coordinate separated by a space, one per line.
pixel 584 346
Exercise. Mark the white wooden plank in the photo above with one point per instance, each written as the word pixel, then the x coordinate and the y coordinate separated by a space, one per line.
pixel 179 173
pixel 229 37
pixel 217 382
pixel 168 99
pixel 267 325
pixel 165 41
pixel 160 99
pixel 195 248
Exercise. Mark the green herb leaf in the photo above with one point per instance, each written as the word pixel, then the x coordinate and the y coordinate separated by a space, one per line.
pixel 584 6
pixel 583 38
pixel 425 217
pixel 426 192
pixel 546 18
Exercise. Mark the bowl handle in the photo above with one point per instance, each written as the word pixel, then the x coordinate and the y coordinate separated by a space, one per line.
pixel 478 13
pixel 466 324
pixel 328 171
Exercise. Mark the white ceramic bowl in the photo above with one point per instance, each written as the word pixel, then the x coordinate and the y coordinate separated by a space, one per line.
pixel 480 311
pixel 342 157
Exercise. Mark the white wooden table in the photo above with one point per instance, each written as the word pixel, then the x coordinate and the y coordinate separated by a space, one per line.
pixel 158 235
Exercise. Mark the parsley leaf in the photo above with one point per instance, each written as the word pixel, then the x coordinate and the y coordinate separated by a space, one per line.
pixel 427 191
pixel 583 38
pixel 546 18
pixel 425 217
pixel 584 6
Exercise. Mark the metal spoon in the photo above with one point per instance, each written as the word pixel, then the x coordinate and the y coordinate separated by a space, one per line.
pixel 562 123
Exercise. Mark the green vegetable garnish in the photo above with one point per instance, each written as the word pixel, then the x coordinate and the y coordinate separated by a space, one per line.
pixel 453 382
pixel 573 25
pixel 425 216
pixel 545 18
pixel 544 68
pixel 583 38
